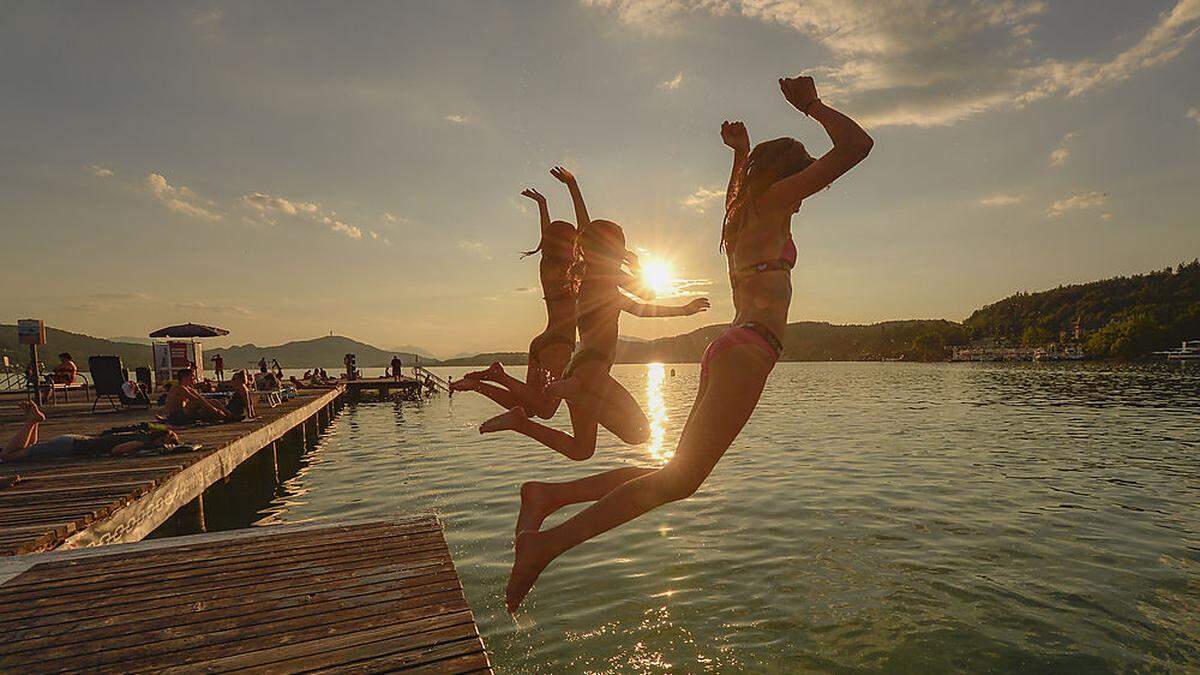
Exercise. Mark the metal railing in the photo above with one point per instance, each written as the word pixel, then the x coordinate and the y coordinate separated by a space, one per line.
pixel 420 373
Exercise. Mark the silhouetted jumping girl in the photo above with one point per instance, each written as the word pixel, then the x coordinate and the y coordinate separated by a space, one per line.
pixel 593 396
pixel 766 188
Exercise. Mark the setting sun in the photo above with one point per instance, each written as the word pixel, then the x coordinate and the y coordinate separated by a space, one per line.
pixel 658 275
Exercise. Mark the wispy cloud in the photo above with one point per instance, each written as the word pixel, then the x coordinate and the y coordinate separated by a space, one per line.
pixel 1193 114
pixel 703 199
pixel 1077 202
pixel 459 119
pixel 206 308
pixel 474 248
pixel 272 209
pixel 181 199
pixel 1059 155
pixel 98 171
pixel 1001 199
pixel 673 83
pixel 924 62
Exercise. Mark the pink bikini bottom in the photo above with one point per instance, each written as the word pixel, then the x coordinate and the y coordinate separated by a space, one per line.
pixel 744 334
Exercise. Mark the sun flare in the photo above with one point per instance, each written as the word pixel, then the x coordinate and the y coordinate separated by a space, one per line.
pixel 658 275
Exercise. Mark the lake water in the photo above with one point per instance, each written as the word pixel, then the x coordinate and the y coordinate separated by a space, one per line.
pixel 871 517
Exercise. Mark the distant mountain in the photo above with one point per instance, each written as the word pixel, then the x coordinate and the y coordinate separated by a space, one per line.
pixel 412 349
pixel 323 352
pixel 133 340
pixel 485 359
pixel 78 345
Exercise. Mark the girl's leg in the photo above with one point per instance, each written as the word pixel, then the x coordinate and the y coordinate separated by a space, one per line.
pixel 503 397
pixel 622 415
pixel 26 436
pixel 579 446
pixel 539 500
pixel 737 378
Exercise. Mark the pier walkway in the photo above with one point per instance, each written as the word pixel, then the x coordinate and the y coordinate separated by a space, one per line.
pixel 111 500
pixel 361 597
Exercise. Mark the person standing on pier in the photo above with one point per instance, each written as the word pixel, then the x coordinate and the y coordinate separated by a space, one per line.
pixel 219 367
pixel 397 365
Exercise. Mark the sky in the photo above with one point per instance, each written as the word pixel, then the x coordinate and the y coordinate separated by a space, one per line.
pixel 288 169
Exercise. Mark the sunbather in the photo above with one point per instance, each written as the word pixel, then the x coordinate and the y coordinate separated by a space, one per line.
pixel 185 405
pixel 26 447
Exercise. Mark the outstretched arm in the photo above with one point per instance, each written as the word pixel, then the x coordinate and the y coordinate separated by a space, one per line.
pixel 734 135
pixel 851 145
pixel 645 309
pixel 634 284
pixel 581 215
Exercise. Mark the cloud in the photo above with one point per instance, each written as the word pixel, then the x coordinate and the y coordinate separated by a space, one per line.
pixel 1001 199
pixel 931 62
pixel 1077 202
pixel 1106 216
pixel 703 199
pixel 474 248
pixel 267 206
pixel 459 119
pixel 1193 114
pixel 673 83
pixel 98 171
pixel 204 307
pixel 393 218
pixel 271 209
pixel 181 199
pixel 1060 154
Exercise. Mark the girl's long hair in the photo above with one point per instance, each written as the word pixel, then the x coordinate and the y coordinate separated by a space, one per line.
pixel 769 161
pixel 558 228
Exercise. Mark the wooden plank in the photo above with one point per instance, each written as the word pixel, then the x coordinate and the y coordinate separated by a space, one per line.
pixel 388 600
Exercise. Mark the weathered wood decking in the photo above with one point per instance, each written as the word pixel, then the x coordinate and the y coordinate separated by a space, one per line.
pixel 365 597
pixel 91 501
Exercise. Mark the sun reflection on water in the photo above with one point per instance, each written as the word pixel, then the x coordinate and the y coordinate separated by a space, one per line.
pixel 656 412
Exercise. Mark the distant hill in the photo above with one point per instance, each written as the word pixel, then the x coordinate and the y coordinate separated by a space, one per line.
pixel 919 340
pixel 132 339
pixel 322 352
pixel 1122 317
pixel 507 358
pixel 413 349
pixel 78 345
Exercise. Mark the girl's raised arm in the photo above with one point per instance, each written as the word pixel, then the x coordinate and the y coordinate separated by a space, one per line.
pixel 735 136
pixel 544 215
pixel 851 145
pixel 581 215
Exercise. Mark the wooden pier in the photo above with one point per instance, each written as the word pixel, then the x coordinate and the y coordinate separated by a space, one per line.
pixel 111 500
pixel 383 387
pixel 363 597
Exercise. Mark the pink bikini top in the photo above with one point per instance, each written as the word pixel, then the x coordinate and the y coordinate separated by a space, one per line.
pixel 785 261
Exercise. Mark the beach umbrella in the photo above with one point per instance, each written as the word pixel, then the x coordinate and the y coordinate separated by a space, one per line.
pixel 189 330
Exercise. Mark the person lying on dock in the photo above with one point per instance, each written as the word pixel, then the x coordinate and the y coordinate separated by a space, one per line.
pixel 185 405
pixel 26 447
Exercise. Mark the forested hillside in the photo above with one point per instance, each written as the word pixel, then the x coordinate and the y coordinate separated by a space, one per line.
pixel 1121 317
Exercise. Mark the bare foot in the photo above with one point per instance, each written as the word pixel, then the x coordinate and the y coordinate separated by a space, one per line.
pixel 532 556
pixel 490 373
pixel 465 383
pixel 535 507
pixel 507 421
pixel 564 389
pixel 32 413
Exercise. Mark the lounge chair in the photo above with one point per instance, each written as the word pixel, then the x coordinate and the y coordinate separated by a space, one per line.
pixel 108 380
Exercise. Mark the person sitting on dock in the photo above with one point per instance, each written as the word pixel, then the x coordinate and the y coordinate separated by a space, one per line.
pixel 66 370
pixel 185 405
pixel 25 446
